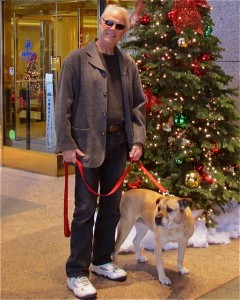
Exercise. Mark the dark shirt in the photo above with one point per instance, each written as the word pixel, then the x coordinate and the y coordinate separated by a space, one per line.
pixel 115 110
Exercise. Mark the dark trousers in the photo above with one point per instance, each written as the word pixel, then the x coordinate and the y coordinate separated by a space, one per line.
pixel 97 248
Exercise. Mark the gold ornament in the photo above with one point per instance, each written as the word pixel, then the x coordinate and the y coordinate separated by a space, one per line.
pixel 192 179
pixel 183 43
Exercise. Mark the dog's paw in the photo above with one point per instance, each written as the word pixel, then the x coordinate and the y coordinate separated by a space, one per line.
pixel 141 259
pixel 165 280
pixel 183 271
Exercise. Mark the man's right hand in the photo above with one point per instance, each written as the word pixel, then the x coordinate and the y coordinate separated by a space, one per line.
pixel 71 155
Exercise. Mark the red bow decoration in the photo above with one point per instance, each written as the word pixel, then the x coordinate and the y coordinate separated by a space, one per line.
pixel 185 14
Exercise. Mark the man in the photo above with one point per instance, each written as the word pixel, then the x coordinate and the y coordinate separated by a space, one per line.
pixel 100 120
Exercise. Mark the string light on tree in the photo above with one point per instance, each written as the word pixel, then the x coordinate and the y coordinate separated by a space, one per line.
pixel 177 63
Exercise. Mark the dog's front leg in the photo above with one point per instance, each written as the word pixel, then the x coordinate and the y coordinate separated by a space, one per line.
pixel 158 245
pixel 181 251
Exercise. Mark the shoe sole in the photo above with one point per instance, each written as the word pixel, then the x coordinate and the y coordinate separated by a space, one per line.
pixel 118 279
pixel 91 296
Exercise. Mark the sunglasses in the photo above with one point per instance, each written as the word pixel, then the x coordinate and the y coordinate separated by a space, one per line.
pixel 110 23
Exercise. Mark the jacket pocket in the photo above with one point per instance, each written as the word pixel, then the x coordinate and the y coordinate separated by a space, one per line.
pixel 82 139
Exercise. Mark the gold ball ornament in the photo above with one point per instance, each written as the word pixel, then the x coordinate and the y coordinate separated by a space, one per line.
pixel 192 179
pixel 183 43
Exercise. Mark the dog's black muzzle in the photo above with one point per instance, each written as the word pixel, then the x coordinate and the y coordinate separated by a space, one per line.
pixel 158 220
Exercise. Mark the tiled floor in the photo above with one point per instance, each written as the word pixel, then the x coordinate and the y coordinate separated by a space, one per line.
pixel 34 251
pixel 230 290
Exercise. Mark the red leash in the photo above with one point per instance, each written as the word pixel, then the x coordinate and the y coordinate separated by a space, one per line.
pixel 154 180
pixel 120 180
pixel 67 231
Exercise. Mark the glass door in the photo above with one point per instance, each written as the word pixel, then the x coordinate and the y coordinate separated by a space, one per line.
pixel 33 49
pixel 38 36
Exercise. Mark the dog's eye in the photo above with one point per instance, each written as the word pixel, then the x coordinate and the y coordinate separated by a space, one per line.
pixel 169 209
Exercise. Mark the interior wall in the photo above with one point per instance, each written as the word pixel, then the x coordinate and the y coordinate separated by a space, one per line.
pixel 225 15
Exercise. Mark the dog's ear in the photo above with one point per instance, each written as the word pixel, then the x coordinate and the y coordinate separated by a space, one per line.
pixel 157 201
pixel 184 202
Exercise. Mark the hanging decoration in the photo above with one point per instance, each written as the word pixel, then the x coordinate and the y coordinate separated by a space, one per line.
pixel 183 43
pixel 146 55
pixel 178 161
pixel 197 69
pixel 200 168
pixel 192 179
pixel 186 142
pixel 168 126
pixel 205 57
pixel 171 15
pixel 145 19
pixel 215 149
pixel 207 178
pixel 208 31
pixel 185 14
pixel 155 91
pixel 181 120
pixel 151 100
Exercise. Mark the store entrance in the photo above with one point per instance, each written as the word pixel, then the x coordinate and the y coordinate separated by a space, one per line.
pixel 38 36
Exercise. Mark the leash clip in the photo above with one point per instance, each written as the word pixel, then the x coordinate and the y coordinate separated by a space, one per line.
pixel 167 194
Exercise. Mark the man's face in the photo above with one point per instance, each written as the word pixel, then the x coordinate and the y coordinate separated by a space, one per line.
pixel 111 27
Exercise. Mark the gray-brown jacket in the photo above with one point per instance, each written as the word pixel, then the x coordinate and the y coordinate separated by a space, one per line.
pixel 81 106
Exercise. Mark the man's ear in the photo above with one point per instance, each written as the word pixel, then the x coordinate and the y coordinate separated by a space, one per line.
pixel 184 202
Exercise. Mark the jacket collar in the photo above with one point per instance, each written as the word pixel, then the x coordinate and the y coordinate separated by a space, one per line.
pixel 95 59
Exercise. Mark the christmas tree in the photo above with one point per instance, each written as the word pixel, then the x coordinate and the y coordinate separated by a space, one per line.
pixel 32 74
pixel 192 143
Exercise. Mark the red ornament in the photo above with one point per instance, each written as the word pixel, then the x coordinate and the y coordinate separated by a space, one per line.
pixel 146 55
pixel 145 19
pixel 171 15
pixel 207 178
pixel 215 149
pixel 199 167
pixel 185 14
pixel 205 57
pixel 197 70
pixel 151 100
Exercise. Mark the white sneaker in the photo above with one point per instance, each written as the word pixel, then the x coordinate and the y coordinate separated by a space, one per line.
pixel 109 270
pixel 81 287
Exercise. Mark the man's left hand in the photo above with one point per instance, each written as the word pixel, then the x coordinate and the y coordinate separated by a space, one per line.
pixel 136 151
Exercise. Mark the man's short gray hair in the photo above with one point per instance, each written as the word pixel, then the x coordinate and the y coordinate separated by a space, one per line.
pixel 112 7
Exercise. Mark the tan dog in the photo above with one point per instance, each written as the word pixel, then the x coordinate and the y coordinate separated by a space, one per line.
pixel 169 217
